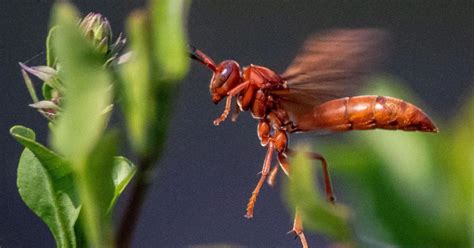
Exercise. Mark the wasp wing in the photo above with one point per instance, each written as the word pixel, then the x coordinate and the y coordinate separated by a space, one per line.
pixel 329 66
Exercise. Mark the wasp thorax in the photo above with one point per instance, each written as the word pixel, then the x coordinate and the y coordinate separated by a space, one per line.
pixel 225 78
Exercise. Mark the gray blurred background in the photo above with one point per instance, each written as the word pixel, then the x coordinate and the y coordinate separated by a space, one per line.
pixel 209 172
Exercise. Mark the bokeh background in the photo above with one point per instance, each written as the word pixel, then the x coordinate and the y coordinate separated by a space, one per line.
pixel 209 172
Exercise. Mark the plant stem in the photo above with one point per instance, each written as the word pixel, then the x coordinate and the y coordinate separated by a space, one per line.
pixel 130 217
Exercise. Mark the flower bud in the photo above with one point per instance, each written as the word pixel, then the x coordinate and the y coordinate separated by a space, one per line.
pixel 97 29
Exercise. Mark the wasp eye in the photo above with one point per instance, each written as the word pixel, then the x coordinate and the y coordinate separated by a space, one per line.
pixel 223 75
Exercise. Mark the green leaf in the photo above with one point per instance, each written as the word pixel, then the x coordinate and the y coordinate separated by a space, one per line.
pixel 50 53
pixel 49 87
pixel 171 61
pixel 149 78
pixel 97 191
pixel 47 187
pixel 87 88
pixel 409 159
pixel 122 173
pixel 47 91
pixel 139 102
pixel 317 214
pixel 456 152
pixel 169 41
pixel 56 166
pixel 23 134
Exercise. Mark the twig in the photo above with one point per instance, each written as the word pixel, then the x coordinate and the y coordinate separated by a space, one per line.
pixel 130 217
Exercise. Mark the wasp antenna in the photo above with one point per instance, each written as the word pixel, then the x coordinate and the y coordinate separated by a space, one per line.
pixel 192 52
pixel 197 55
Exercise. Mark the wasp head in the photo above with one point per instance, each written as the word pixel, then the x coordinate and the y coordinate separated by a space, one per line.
pixel 225 76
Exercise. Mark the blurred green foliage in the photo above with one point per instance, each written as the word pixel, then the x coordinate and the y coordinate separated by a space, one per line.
pixel 150 77
pixel 74 186
pixel 405 189
pixel 301 192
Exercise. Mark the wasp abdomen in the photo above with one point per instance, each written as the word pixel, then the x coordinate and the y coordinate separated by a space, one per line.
pixel 370 112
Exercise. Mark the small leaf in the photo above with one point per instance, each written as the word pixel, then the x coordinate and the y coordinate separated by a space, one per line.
pixel 50 51
pixel 44 73
pixel 21 132
pixel 317 214
pixel 124 58
pixel 50 80
pixel 44 105
pixel 47 91
pixel 46 186
pixel 56 165
pixel 122 174
pixel 29 86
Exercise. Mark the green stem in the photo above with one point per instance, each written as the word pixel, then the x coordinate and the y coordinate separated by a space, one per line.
pixel 144 178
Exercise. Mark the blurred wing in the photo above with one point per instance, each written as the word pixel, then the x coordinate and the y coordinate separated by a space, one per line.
pixel 331 65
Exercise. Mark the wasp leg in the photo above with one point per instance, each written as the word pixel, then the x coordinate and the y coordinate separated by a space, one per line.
pixel 280 138
pixel 263 176
pixel 298 229
pixel 283 161
pixel 228 102
pixel 298 223
pixel 327 180
pixel 272 177
pixel 236 113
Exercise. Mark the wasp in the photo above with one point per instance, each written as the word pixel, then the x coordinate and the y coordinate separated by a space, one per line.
pixel 315 93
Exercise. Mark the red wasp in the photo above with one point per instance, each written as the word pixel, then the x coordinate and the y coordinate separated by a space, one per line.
pixel 315 93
